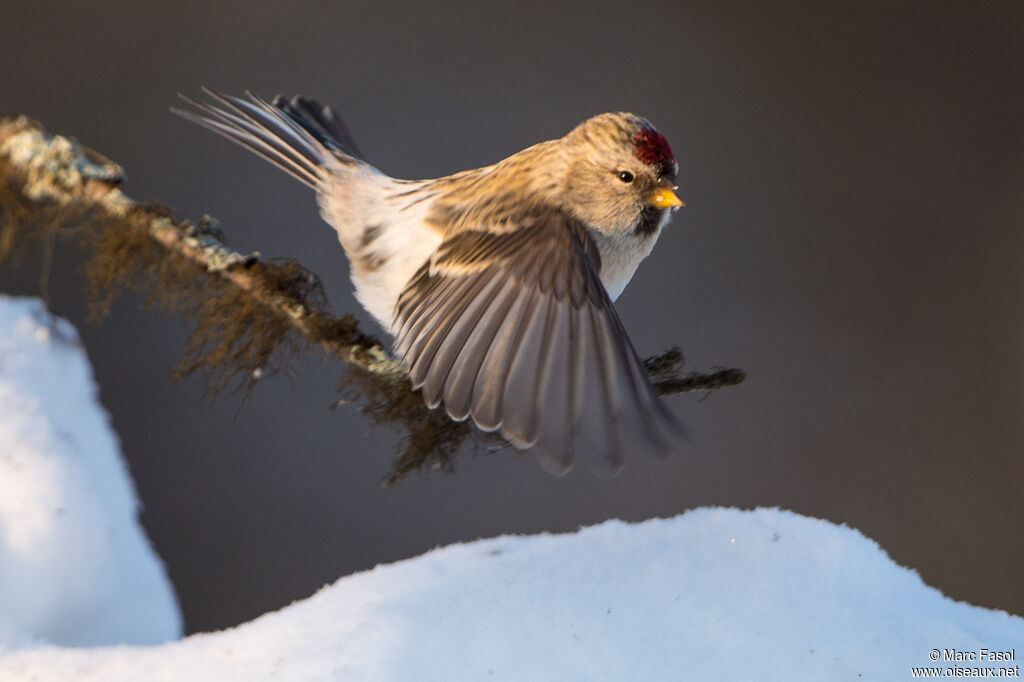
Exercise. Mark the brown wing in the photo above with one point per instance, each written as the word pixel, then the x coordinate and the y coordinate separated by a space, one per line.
pixel 515 330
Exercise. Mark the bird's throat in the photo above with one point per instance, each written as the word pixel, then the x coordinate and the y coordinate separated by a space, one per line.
pixel 651 218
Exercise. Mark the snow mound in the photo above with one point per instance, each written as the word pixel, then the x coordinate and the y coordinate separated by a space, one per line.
pixel 714 594
pixel 75 566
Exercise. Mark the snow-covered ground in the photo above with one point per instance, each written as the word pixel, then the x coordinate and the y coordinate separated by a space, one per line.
pixel 713 594
pixel 75 566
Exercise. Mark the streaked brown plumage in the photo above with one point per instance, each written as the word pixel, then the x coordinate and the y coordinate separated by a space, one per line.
pixel 497 283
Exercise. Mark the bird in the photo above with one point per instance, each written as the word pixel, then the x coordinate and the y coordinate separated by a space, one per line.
pixel 496 283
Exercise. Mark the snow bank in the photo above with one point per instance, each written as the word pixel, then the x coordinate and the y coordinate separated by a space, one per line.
pixel 75 566
pixel 714 594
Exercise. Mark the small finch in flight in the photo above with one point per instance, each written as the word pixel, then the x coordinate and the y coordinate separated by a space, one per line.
pixel 497 283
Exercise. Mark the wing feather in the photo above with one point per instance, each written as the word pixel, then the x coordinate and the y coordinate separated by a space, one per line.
pixel 458 388
pixel 431 295
pixel 520 424
pixel 599 439
pixel 556 390
pixel 515 330
pixel 434 331
pixel 463 325
pixel 489 386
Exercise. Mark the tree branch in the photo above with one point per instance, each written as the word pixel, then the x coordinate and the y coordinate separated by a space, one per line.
pixel 252 316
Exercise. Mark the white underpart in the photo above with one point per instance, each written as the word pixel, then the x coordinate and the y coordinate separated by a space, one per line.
pixel 360 198
pixel 618 269
pixel 621 254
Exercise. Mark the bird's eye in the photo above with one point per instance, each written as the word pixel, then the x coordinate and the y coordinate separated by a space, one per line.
pixel 626 176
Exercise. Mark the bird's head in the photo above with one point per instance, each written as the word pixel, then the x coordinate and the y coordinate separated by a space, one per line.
pixel 620 175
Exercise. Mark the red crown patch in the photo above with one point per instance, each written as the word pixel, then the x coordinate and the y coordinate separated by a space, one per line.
pixel 651 147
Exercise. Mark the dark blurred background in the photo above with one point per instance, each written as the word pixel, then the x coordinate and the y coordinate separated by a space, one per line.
pixel 854 180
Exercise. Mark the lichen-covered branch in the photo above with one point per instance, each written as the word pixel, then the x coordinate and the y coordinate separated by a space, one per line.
pixel 55 173
pixel 252 316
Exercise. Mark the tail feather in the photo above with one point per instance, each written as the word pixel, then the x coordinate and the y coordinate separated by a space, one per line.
pixel 320 121
pixel 295 139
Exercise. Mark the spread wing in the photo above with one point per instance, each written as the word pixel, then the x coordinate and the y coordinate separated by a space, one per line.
pixel 515 330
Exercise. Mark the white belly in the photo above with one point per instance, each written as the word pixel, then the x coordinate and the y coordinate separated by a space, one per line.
pixel 385 243
pixel 403 248
pixel 620 257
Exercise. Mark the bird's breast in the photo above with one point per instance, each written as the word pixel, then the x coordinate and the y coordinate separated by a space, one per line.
pixel 620 256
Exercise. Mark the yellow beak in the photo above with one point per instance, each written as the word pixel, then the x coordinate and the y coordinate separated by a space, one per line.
pixel 663 197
